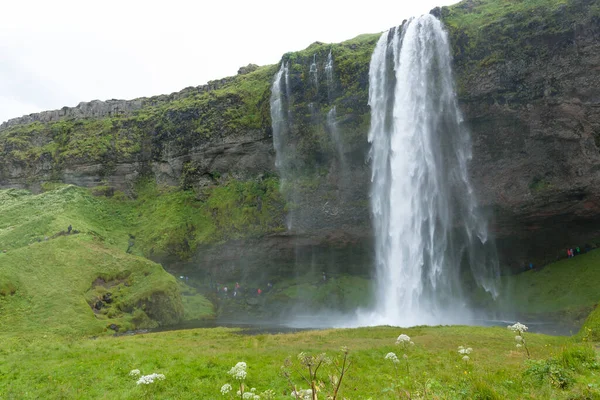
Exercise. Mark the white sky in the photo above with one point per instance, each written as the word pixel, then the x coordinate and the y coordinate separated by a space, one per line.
pixel 56 53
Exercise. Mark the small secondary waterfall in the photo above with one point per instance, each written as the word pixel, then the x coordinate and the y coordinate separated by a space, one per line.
pixel 329 75
pixel 430 241
pixel 314 74
pixel 280 120
pixel 336 138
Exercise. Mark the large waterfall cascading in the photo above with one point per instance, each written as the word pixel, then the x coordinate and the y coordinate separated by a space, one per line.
pixel 430 240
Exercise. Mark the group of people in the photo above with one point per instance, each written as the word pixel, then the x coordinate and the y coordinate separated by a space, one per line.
pixel 238 289
pixel 574 252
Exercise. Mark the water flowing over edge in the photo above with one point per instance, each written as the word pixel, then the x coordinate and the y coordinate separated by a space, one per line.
pixel 430 240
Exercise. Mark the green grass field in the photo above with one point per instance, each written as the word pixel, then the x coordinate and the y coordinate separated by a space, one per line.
pixel 195 364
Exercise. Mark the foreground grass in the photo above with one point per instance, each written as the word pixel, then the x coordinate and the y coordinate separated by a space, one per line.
pixel 195 363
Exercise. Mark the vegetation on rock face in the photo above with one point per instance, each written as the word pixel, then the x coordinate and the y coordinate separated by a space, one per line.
pixel 310 102
pixel 237 105
pixel 168 221
pixel 487 33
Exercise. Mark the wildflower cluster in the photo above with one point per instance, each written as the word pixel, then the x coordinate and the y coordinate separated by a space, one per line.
pixel 226 388
pixel 148 379
pixel 251 395
pixel 520 329
pixel 239 371
pixel 392 357
pixel 304 394
pixel 465 351
pixel 404 341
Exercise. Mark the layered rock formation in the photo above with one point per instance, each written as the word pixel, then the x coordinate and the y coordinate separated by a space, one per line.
pixel 529 85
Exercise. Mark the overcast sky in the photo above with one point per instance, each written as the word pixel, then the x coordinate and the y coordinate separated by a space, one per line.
pixel 56 53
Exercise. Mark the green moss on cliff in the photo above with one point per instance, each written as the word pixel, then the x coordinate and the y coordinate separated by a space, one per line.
pixel 176 222
pixel 486 33
pixel 347 91
pixel 232 107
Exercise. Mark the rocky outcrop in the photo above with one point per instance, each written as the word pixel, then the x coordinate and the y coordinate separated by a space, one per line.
pixel 114 107
pixel 534 113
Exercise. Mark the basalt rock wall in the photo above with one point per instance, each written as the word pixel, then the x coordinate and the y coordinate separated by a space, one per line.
pixel 529 86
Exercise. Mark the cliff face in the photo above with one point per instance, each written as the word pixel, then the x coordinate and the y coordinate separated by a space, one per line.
pixel 529 86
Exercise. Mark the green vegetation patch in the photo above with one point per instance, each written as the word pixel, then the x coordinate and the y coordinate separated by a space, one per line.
pixel 195 364
pixel 591 328
pixel 567 285
pixel 80 281
pixel 49 288
pixel 175 222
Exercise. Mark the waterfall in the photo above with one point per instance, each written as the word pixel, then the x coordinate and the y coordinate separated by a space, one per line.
pixel 329 75
pixel 280 122
pixel 430 240
pixel 336 138
pixel 313 72
pixel 329 69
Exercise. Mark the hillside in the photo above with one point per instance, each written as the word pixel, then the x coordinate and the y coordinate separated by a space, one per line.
pixel 80 282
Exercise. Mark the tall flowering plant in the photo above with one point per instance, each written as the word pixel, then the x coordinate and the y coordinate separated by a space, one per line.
pixel 519 329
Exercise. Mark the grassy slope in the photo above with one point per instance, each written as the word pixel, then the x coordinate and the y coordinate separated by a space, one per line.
pixel 47 285
pixel 196 362
pixel 565 284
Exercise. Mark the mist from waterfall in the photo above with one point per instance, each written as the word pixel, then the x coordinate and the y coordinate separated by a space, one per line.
pixel 431 242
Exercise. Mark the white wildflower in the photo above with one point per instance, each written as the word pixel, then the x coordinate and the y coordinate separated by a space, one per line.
pixel 518 327
pixel 412 343
pixel 305 394
pixel 392 357
pixel 519 338
pixel 148 379
pixel 403 339
pixel 465 358
pixel 464 350
pixel 134 372
pixel 239 371
pixel 256 397
pixel 519 345
pixel 226 388
pixel 248 395
pixel 253 390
